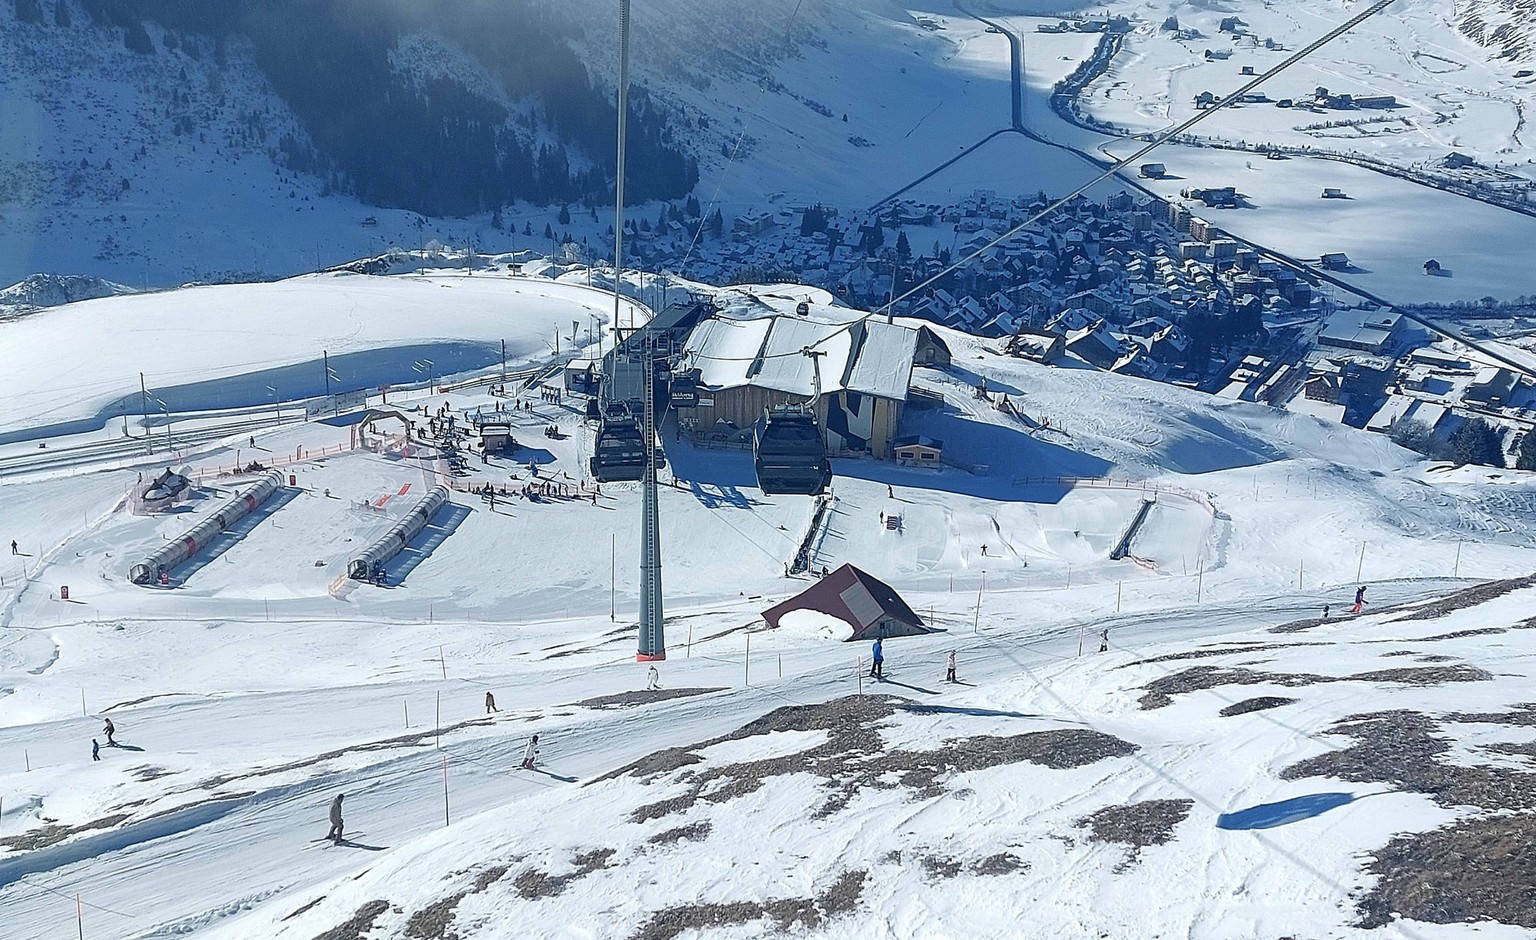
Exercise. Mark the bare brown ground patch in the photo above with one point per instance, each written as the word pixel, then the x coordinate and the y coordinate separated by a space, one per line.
pixel 52 833
pixel 535 883
pixel 1257 704
pixel 693 832
pixel 1469 597
pixel 359 924
pixel 1136 825
pixel 1209 653
pixel 1160 691
pixel 1402 748
pixel 841 897
pixel 846 760
pixel 1481 868
pixel 641 697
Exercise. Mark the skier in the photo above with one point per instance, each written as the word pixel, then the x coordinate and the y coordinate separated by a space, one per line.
pixel 110 730
pixel 1326 608
pixel 335 834
pixel 1359 600
pixel 253 442
pixel 95 750
pixel 652 679
pixel 13 548
pixel 949 670
pixel 490 703
pixel 877 664
pixel 530 752
pixel 1104 640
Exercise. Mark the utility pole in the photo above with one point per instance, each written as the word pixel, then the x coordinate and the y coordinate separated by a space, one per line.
pixel 652 641
pixel 503 362
pixel 653 645
pixel 144 410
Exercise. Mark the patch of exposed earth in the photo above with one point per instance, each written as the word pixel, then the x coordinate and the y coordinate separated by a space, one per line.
pixel 847 760
pixel 1160 691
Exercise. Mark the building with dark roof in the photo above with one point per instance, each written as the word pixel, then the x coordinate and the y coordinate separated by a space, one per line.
pixel 871 608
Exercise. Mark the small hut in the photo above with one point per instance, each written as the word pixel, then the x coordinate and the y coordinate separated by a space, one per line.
pixel 871 608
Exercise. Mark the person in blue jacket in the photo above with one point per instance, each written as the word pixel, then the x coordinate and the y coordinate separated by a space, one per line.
pixel 877 666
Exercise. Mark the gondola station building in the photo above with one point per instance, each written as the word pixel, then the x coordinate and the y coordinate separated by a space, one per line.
pixel 862 366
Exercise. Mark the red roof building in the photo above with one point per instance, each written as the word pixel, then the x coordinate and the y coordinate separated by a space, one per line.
pixel 868 605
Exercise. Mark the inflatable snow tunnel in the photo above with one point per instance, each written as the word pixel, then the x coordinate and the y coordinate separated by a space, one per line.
pixel 179 550
pixel 394 541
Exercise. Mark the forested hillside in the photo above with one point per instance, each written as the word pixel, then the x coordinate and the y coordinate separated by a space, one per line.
pixel 520 118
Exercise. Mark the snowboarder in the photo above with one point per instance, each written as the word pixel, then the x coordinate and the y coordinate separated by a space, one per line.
pixel 1104 640
pixel 530 752
pixel 890 491
pixel 95 750
pixel 253 442
pixel 652 679
pixel 110 730
pixel 877 664
pixel 1326 608
pixel 949 669
pixel 490 703
pixel 13 548
pixel 1359 600
pixel 335 834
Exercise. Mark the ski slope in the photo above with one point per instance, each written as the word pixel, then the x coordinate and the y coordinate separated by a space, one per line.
pixel 255 693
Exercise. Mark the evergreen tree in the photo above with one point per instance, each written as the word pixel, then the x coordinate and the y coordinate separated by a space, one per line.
pixel 549 232
pixel 528 229
pixel 1525 457
pixel 1476 442
pixel 496 220
pixel 903 247
pixel 716 224
pixel 1414 435
pixel 564 218
pixel 693 206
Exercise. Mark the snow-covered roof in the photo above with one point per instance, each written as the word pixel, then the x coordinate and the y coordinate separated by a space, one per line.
pixel 868 356
pixel 724 350
pixel 883 364
pixel 784 369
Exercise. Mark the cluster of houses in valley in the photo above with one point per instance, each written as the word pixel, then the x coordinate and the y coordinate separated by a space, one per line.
pixel 1371 368
pixel 1129 283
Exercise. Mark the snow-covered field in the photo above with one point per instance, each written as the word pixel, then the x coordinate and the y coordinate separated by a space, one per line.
pixel 1451 93
pixel 246 695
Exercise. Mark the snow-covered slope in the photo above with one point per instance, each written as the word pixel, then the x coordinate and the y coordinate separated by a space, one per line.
pixel 1507 27
pixel 247 694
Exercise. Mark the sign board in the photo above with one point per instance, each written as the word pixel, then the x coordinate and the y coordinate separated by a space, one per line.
pixel 335 404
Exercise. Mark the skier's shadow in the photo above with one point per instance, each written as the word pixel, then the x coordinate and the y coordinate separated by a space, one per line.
pixel 555 776
pixel 349 844
pixel 125 747
pixel 915 688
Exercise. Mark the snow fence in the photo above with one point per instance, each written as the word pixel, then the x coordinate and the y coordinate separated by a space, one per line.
pixel 395 540
pixel 179 550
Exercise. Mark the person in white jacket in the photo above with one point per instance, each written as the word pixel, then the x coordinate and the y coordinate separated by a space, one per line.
pixel 530 752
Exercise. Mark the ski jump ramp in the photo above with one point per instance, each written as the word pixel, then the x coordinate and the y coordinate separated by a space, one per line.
pixel 179 550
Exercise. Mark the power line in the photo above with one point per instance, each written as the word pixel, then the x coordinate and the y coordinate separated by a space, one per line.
pixel 1114 168
pixel 1157 141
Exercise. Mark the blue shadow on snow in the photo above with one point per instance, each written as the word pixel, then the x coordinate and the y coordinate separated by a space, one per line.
pixel 447 520
pixel 1283 813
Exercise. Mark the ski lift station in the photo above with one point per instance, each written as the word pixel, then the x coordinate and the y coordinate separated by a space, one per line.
pixel 854 372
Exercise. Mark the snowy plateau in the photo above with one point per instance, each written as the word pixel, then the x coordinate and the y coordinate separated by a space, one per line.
pixel 1221 669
